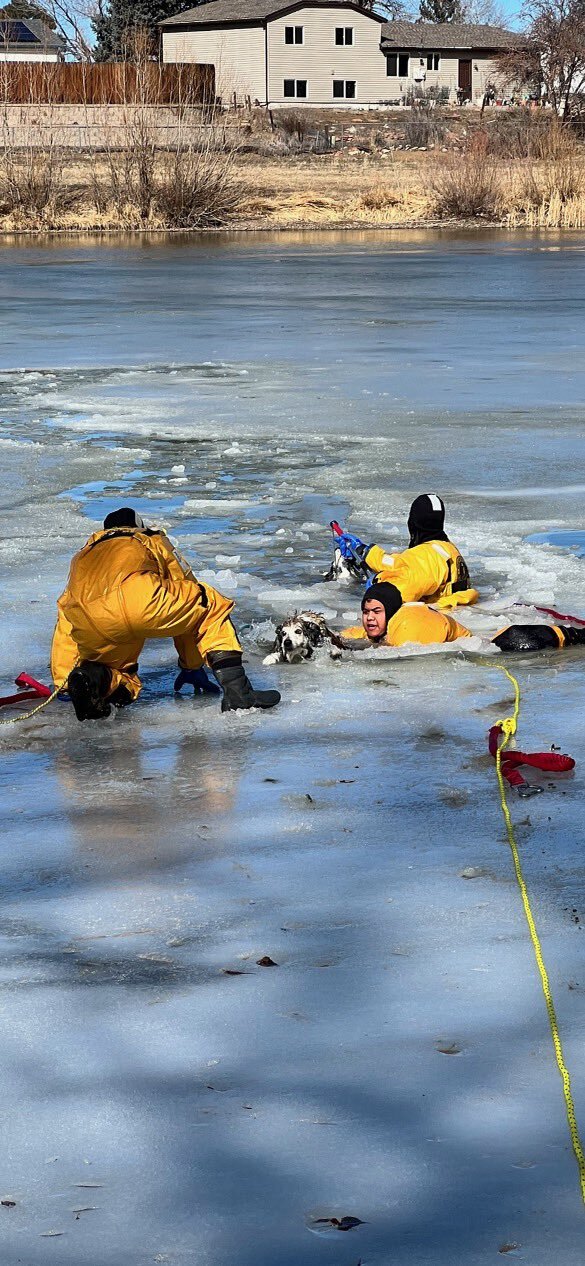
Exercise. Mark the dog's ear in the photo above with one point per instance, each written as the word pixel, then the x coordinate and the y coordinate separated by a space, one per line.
pixel 277 640
pixel 314 631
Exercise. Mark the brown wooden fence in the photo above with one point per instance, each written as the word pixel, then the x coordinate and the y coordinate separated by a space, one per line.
pixel 106 83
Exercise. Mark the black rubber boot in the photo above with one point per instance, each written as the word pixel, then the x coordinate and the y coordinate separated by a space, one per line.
pixel 573 636
pixel 238 692
pixel 88 685
pixel 120 697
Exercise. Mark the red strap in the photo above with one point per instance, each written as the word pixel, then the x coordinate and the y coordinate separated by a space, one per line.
pixel 551 762
pixel 20 698
pixel 558 615
pixel 512 776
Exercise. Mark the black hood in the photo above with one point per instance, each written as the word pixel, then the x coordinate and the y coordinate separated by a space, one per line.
pixel 388 595
pixel 124 517
pixel 426 521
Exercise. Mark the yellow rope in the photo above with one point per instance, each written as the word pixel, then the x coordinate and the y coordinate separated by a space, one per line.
pixel 24 716
pixel 508 726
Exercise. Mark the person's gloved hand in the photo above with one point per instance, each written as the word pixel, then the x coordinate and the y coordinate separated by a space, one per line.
pixel 198 679
pixel 351 546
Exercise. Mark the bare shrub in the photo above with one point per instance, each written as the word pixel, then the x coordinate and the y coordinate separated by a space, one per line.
pixel 466 190
pixel 293 124
pixel 422 127
pixel 537 137
pixel 33 188
pixel 182 177
pixel 197 190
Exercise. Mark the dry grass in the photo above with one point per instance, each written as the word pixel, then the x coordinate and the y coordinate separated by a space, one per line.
pixel 550 195
pixel 190 186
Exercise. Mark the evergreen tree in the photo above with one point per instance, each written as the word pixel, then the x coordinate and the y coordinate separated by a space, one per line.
pixel 441 10
pixel 120 24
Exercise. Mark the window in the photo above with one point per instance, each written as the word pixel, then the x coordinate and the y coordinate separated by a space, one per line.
pixel 295 88
pixel 397 65
pixel 344 88
pixel 433 61
pixel 294 35
pixel 344 35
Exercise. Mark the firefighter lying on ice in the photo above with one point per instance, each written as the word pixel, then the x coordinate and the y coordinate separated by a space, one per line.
pixel 430 570
pixel 388 621
pixel 128 584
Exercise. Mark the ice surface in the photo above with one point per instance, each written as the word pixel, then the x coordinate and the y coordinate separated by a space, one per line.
pixel 206 1118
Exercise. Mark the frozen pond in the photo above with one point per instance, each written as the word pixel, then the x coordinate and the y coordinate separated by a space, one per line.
pixel 166 1099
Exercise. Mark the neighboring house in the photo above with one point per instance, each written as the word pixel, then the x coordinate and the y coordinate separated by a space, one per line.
pixel 329 52
pixel 29 40
pixel 456 56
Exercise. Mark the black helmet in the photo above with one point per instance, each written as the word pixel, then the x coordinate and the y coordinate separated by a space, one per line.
pixel 124 517
pixel 426 520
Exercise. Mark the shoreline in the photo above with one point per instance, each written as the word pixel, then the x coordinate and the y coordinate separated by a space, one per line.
pixel 308 226
pixel 428 172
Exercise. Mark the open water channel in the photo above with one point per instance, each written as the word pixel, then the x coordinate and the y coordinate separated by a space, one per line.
pixel 163 1097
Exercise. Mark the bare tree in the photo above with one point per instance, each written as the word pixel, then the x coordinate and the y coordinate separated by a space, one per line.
pixel 550 58
pixel 393 10
pixel 71 20
pixel 489 12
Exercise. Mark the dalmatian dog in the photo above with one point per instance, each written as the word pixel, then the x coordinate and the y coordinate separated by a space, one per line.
pixel 344 570
pixel 298 637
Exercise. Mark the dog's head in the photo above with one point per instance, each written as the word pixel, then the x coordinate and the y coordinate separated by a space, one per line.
pixel 344 570
pixel 296 638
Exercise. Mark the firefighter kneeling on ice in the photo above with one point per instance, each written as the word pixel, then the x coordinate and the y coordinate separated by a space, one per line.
pixel 431 570
pixel 388 621
pixel 128 584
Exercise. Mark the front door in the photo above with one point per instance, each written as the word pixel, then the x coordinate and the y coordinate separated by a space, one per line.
pixel 465 79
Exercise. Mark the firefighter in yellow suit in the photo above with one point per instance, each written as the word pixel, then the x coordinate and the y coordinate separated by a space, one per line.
pixel 128 584
pixel 388 621
pixel 431 570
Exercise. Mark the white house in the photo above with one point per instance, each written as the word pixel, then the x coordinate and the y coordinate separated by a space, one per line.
pixel 329 52
pixel 29 40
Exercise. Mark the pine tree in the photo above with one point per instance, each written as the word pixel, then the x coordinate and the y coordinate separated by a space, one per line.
pixel 441 10
pixel 118 23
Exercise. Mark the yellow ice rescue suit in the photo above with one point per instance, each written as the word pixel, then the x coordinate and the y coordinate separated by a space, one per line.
pixel 413 622
pixel 129 584
pixel 433 572
pixel 401 623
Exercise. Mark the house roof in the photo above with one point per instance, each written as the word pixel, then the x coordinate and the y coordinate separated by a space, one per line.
pixel 31 32
pixel 437 35
pixel 253 12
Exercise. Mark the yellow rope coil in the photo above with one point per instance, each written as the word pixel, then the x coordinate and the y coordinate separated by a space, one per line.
pixel 509 725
